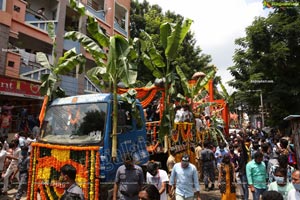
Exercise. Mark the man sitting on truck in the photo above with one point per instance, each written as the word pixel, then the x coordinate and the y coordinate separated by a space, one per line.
pixel 129 180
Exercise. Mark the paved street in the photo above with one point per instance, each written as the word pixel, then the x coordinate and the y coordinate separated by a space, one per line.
pixel 211 195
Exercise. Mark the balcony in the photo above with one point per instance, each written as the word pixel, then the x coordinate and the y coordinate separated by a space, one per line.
pixel 90 87
pixel 69 44
pixel 38 21
pixel 118 28
pixel 100 14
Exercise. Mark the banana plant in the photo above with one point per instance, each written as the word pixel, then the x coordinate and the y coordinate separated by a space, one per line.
pixel 161 64
pixel 61 66
pixel 115 66
pixel 193 92
pixel 50 88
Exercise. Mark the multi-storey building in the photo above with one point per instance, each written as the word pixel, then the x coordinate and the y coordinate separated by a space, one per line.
pixel 23 32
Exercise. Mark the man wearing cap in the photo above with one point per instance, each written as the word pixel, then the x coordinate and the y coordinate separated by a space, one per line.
pixel 184 180
pixel 157 177
pixel 129 180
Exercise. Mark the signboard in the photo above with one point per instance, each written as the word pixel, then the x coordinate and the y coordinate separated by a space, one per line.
pixel 18 87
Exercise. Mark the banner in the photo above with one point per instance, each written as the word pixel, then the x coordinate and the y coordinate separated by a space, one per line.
pixel 18 87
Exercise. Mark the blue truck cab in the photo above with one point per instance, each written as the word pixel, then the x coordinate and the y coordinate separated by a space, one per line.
pixel 77 130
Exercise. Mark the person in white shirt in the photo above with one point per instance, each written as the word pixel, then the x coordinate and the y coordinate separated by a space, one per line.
pixel 158 178
pixel 281 184
pixel 178 114
pixel 3 155
pixel 294 194
pixel 13 166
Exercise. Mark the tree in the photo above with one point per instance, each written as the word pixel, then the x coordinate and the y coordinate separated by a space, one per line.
pixel 147 18
pixel 159 63
pixel 267 60
pixel 50 88
pixel 112 67
pixel 61 66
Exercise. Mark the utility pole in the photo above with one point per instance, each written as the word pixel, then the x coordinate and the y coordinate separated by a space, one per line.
pixel 262 110
pixel 261 107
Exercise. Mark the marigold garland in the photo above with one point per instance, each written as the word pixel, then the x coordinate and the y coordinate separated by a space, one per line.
pixel 175 136
pixel 97 164
pixel 40 175
pixel 92 175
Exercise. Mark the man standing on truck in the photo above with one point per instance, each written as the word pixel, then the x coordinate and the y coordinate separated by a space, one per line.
pixel 129 180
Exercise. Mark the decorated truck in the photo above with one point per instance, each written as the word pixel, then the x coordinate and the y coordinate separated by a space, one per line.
pixel 77 130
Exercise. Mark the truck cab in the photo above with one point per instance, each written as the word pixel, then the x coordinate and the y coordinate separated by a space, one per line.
pixel 80 127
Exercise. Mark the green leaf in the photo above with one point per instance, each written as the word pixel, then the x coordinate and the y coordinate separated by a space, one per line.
pixel 202 82
pixel 89 45
pixel 165 32
pixel 69 61
pixel 43 60
pixel 184 82
pixel 51 30
pixel 176 38
pixel 96 32
pixel 79 7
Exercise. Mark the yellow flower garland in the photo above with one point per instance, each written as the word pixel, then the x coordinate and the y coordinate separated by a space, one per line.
pixel 92 174
pixel 60 155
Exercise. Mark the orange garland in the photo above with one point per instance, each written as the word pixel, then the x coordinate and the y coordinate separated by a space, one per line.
pixel 37 162
pixel 97 185
pixel 62 147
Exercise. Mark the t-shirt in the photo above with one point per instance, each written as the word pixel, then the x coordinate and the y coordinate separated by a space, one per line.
pixel 293 195
pixel 282 190
pixel 157 181
pixel 16 154
pixel 73 191
pixel 130 181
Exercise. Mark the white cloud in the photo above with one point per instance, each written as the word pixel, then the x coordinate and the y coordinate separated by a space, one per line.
pixel 217 23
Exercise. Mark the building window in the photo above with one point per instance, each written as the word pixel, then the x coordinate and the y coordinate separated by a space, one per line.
pixel 11 63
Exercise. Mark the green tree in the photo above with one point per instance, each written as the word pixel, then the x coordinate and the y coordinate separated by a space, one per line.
pixel 159 63
pixel 148 18
pixel 113 67
pixel 267 59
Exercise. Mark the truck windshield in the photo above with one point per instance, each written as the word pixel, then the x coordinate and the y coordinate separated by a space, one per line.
pixel 81 124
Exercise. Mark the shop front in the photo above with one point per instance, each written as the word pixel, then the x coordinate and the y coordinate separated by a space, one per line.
pixel 21 99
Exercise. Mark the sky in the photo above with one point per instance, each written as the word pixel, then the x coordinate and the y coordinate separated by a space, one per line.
pixel 216 25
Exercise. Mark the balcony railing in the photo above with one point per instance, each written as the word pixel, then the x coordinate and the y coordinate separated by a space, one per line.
pixel 119 28
pixel 38 21
pixel 100 14
pixel 90 87
pixel 34 74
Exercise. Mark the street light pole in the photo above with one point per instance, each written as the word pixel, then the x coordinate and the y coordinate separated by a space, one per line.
pixel 262 110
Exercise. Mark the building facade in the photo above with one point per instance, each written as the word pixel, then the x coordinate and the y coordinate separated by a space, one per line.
pixel 23 33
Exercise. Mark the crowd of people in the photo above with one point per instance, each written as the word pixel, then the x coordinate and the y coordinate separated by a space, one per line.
pixel 250 161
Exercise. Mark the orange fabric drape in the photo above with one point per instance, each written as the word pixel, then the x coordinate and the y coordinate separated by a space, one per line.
pixel 43 109
pixel 145 95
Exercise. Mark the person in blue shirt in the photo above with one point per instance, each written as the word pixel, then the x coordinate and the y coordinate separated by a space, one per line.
pixel 184 180
pixel 220 152
pixel 257 175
